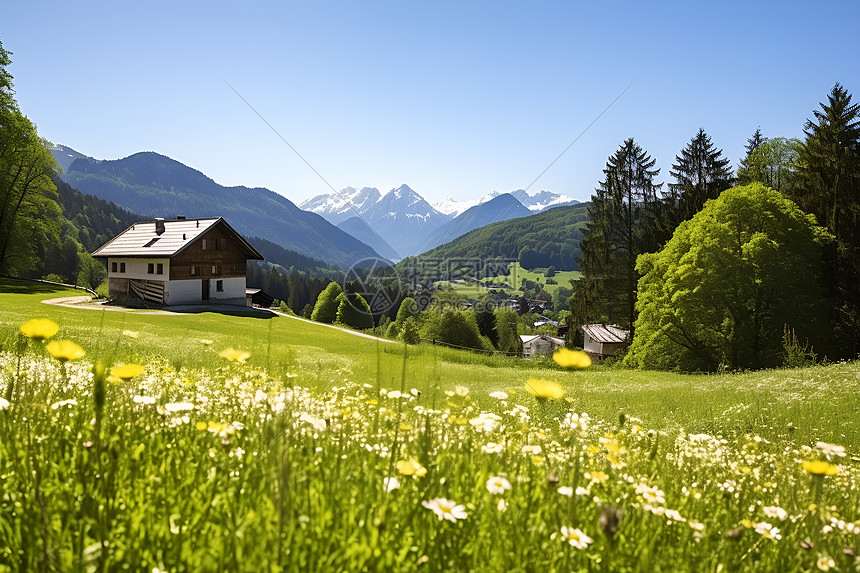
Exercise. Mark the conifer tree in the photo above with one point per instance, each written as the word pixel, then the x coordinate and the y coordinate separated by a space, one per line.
pixel 700 173
pixel 622 214
pixel 829 188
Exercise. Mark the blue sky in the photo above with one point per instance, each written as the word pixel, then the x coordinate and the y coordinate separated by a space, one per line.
pixel 451 98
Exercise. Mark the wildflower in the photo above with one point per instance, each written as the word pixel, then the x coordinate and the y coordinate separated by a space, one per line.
pixel 178 406
pixel 446 509
pixel 126 371
pixel 4 403
pixel 543 389
pixel 820 468
pixel 534 450
pixel 566 491
pixel 130 333
pixel 461 391
pixel 39 328
pixel 825 563
pixel 831 450
pixel 394 394
pixel 143 400
pixel 317 423
pixel 571 358
pixel 389 484
pixel 234 355
pixel 411 468
pixel 498 485
pixel 492 448
pixel 65 350
pixel 499 395
pixel 502 506
pixel 486 422
pixel 60 404
pixel 576 537
pixel 775 512
pixel 767 530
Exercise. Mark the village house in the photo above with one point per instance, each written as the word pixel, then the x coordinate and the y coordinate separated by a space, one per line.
pixel 603 340
pixel 540 344
pixel 182 261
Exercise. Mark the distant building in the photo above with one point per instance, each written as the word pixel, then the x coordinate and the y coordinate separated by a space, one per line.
pixel 182 261
pixel 540 344
pixel 256 297
pixel 603 340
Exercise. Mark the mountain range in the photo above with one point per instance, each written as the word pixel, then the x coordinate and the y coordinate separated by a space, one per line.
pixel 154 185
pixel 403 220
pixel 339 228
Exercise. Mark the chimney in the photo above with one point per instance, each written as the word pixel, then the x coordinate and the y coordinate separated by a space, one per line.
pixel 180 217
pixel 159 226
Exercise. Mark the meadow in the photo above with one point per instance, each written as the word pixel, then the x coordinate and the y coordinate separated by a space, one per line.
pixel 309 448
pixel 513 282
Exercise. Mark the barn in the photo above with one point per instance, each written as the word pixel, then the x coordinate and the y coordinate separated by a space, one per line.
pixel 181 261
pixel 603 340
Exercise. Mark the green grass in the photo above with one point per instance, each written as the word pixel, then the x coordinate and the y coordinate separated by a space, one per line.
pixel 473 290
pixel 200 464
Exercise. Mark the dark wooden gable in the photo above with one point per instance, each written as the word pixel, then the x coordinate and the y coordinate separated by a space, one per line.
pixel 220 252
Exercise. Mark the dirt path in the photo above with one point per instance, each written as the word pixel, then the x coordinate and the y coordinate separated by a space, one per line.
pixel 86 302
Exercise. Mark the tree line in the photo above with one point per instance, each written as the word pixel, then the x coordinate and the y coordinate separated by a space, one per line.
pixel 721 268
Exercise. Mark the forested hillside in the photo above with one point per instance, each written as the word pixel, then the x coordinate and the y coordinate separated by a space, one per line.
pixel 550 238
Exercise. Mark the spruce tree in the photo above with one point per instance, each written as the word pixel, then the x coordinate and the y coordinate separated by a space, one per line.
pixel 701 173
pixel 622 214
pixel 829 188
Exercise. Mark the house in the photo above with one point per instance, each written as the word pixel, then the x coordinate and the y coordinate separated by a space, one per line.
pixel 603 340
pixel 182 261
pixel 539 344
pixel 256 297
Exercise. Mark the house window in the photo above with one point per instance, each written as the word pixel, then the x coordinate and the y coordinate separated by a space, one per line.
pixel 222 244
pixel 113 267
pixel 216 269
pixel 150 269
pixel 203 244
pixel 193 270
pixel 159 270
pixel 122 267
pixel 219 286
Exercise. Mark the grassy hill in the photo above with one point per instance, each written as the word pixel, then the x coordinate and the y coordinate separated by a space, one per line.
pixel 328 451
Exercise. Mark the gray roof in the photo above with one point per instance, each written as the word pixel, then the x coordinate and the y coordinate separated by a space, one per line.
pixel 606 333
pixel 141 240
pixel 526 338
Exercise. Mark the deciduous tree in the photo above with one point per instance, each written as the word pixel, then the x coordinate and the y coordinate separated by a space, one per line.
pixel 722 290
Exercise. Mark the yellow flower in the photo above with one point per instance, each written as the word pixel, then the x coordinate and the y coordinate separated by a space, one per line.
pixel 130 333
pixel 39 328
pixel 411 468
pixel 126 371
pixel 544 389
pixel 64 350
pixel 234 355
pixel 201 426
pixel 820 468
pixel 571 358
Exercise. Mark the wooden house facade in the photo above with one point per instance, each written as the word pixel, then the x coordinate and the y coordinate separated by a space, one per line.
pixel 182 261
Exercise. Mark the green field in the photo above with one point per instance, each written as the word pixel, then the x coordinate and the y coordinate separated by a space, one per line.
pixel 201 464
pixel 518 273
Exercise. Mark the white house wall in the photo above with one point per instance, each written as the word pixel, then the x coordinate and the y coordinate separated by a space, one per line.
pixel 234 291
pixel 136 269
pixel 183 292
pixel 191 291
